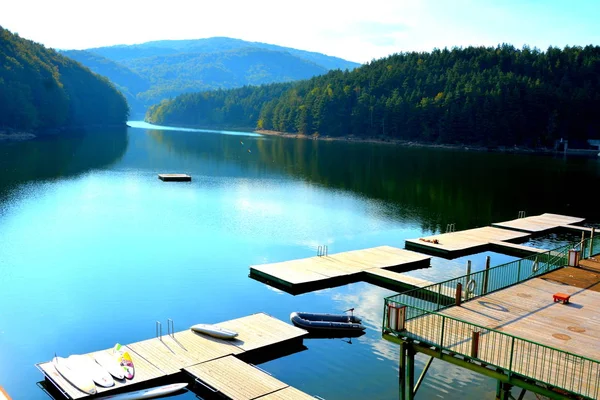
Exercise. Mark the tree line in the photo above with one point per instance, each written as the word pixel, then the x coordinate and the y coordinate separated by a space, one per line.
pixel 490 96
pixel 43 90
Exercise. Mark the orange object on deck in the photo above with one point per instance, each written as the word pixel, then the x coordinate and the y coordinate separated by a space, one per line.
pixel 561 297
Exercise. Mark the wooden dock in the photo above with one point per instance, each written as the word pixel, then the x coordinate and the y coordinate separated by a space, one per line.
pixel 302 275
pixel 238 380
pixel 514 249
pixel 453 244
pixel 172 354
pixel 540 223
pixel 395 280
pixel 528 311
pixel 174 177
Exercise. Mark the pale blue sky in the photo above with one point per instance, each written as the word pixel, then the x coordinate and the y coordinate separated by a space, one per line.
pixel 356 30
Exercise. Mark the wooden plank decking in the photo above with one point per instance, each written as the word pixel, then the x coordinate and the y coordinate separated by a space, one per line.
pixel 159 357
pixel 513 248
pixel 342 267
pixel 235 379
pixel 528 311
pixel 539 223
pixel 449 244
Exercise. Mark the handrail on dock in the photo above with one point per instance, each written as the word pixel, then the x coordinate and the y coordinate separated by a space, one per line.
pixel 418 318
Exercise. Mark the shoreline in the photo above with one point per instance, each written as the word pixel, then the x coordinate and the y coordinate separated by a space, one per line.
pixel 408 143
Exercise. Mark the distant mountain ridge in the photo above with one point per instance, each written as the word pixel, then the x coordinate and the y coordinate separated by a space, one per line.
pixel 150 72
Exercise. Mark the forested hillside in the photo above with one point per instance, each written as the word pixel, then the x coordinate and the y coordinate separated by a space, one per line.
pixel 127 81
pixel 499 96
pixel 149 72
pixel 41 89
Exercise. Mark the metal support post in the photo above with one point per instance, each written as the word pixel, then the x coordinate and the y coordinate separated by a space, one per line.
pixel 488 261
pixel 402 371
pixel 410 373
pixel 422 376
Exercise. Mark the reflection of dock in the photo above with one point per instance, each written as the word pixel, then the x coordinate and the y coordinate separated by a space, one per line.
pixel 200 356
pixel 298 276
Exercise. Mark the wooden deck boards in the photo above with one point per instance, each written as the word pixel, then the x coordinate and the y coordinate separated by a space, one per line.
pixel 155 358
pixel 399 277
pixel 539 223
pixel 235 379
pixel 322 269
pixel 448 243
pixel 528 311
pixel 517 247
pixel 288 393
pixel 260 330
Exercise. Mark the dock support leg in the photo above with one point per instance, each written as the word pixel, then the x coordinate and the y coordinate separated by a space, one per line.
pixel 410 373
pixel 503 391
pixel 402 371
pixel 422 376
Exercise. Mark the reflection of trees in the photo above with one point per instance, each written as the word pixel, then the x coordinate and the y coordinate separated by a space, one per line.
pixel 434 186
pixel 59 157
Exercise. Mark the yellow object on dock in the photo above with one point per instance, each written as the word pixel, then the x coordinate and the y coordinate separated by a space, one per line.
pixel 174 177
pixel 454 243
pixel 332 270
pixel 171 354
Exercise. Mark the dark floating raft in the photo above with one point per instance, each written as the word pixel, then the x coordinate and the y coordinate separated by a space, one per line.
pixel 314 322
pixel 174 177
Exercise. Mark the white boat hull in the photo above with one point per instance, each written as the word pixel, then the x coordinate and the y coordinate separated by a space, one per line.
pixel 146 393
pixel 214 331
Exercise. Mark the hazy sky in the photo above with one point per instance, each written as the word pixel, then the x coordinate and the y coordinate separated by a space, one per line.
pixel 355 30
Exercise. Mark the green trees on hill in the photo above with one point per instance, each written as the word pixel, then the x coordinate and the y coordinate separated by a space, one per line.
pixel 41 89
pixel 499 96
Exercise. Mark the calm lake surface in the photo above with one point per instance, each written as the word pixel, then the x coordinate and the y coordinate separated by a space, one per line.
pixel 94 248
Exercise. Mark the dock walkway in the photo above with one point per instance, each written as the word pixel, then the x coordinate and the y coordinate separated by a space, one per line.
pixel 188 351
pixel 541 223
pixel 455 244
pixel 298 276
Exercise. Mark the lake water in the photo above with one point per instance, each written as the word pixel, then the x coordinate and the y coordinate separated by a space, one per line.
pixel 94 248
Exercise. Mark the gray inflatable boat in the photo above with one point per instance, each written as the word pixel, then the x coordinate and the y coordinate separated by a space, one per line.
pixel 326 322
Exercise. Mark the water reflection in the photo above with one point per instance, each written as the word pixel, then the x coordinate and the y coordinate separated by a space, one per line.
pixel 432 186
pixel 65 156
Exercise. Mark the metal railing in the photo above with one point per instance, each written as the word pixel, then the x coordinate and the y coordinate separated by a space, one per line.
pixel 441 295
pixel 414 315
pixel 554 367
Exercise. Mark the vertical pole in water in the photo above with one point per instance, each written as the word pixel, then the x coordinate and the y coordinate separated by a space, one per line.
pixel 582 239
pixel 468 278
pixel 410 373
pixel 488 261
pixel 402 371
